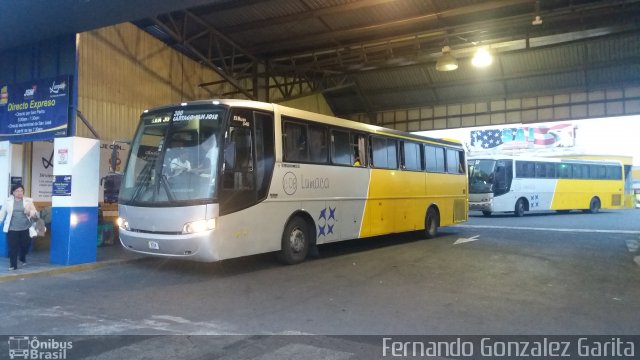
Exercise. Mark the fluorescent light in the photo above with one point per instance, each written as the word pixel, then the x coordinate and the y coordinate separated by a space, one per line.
pixel 482 58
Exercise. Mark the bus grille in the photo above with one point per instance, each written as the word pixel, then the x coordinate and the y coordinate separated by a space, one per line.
pixel 459 210
pixel 157 232
pixel 616 200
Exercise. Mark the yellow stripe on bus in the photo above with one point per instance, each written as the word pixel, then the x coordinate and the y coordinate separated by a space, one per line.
pixel 398 200
pixel 577 194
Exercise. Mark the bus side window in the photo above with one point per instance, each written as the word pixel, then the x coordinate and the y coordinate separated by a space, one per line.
pixel 379 152
pixel 613 172
pixel 295 142
pixel 318 144
pixel 564 171
pixel 385 153
pixel 455 161
pixel 340 148
pixel 411 156
pixel 359 154
pixel 434 157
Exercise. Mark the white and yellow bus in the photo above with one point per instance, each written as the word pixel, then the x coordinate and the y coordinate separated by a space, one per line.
pixel 518 184
pixel 212 180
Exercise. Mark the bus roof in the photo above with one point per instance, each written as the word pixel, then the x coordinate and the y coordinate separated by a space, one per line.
pixel 544 159
pixel 311 116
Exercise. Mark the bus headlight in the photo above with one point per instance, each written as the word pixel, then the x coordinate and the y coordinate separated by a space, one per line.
pixel 123 223
pixel 199 226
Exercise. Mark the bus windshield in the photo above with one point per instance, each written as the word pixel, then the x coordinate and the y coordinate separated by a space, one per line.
pixel 174 157
pixel 481 176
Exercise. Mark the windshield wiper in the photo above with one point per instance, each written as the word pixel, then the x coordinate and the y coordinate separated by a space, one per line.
pixel 143 180
pixel 164 180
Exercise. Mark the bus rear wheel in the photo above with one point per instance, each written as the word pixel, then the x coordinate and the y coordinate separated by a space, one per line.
pixel 431 223
pixel 295 242
pixel 486 213
pixel 594 206
pixel 519 209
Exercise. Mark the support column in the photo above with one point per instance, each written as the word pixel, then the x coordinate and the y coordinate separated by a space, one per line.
pixel 5 179
pixel 74 217
pixel 261 83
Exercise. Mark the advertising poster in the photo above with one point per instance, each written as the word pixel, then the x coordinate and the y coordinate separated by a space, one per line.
pixel 42 170
pixel 527 137
pixel 43 162
pixel 61 185
pixel 34 110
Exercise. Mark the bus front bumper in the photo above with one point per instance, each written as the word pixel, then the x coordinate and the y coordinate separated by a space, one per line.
pixel 194 247
pixel 480 206
pixel 481 202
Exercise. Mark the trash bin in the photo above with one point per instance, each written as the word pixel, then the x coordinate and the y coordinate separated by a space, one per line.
pixel 105 234
pixel 105 230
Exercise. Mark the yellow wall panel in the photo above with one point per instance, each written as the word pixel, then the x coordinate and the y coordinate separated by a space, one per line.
pixel 314 103
pixel 123 70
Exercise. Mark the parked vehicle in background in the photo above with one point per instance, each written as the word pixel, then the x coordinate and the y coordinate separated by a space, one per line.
pixel 518 184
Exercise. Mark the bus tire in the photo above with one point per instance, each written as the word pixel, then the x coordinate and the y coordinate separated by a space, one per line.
pixel 431 223
pixel 563 211
pixel 486 213
pixel 519 208
pixel 296 241
pixel 594 206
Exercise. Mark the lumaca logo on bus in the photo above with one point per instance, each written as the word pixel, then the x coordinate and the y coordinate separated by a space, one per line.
pixel 290 183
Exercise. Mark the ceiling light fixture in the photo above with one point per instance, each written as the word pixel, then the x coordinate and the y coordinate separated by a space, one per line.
pixel 446 62
pixel 482 58
pixel 537 20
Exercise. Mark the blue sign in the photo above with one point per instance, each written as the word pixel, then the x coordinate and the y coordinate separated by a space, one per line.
pixel 62 185
pixel 35 110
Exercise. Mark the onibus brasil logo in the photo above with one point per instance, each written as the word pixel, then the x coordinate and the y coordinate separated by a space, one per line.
pixel 25 347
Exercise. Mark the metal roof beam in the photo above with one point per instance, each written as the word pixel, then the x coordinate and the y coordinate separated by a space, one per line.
pixel 303 16
pixel 203 58
pixel 410 45
pixel 631 61
pixel 421 19
pixel 564 18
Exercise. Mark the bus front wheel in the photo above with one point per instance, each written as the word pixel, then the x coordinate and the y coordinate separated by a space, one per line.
pixel 295 242
pixel 520 207
pixel 594 206
pixel 431 223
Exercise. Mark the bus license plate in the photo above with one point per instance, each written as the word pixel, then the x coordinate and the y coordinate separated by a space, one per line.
pixel 154 245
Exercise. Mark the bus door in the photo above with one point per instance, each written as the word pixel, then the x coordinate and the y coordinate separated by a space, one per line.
pixel 247 160
pixel 503 177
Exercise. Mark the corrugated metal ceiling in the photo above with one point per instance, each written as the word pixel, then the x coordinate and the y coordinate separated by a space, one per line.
pixel 382 53
pixel 377 55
